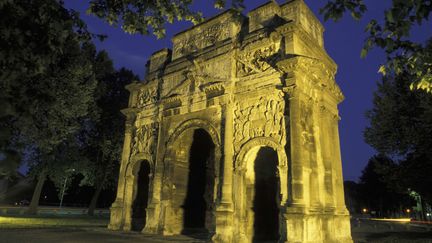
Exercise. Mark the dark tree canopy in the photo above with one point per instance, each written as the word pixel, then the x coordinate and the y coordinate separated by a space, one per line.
pixel 144 17
pixel 400 127
pixel 45 82
pixel 380 189
pixel 393 35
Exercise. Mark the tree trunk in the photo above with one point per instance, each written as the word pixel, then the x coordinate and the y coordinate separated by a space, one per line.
pixel 94 200
pixel 36 194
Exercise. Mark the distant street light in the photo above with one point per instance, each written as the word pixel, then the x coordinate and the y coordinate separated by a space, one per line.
pixel 64 187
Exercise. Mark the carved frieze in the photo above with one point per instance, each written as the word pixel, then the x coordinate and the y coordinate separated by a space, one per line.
pixel 256 60
pixel 265 118
pixel 146 96
pixel 145 139
pixel 207 37
pixel 199 77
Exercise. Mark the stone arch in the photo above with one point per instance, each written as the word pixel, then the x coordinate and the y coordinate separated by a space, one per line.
pixel 131 187
pixel 242 165
pixel 191 124
pixel 132 167
pixel 171 159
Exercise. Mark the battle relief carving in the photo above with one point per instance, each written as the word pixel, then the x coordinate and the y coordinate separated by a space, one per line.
pixel 259 57
pixel 202 76
pixel 145 139
pixel 256 61
pixel 265 118
pixel 146 96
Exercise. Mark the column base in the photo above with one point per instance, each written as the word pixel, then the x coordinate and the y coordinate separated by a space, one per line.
pixel 116 216
pixel 152 219
pixel 314 225
pixel 224 224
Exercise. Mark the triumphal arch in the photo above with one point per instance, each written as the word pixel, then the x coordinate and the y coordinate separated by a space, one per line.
pixel 234 134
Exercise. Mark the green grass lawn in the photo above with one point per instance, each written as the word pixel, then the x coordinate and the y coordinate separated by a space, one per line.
pixel 25 221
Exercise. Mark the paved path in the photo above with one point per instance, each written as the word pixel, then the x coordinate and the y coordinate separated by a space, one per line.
pixel 82 235
pixel 392 232
pixel 362 231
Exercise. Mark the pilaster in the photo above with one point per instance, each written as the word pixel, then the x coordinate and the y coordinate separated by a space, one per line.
pixel 116 210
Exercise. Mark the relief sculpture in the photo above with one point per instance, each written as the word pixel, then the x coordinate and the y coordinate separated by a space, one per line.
pixel 146 97
pixel 265 118
pixel 205 38
pixel 145 139
pixel 306 125
pixel 255 61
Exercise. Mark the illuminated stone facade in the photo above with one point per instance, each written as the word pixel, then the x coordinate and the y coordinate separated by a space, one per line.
pixel 234 133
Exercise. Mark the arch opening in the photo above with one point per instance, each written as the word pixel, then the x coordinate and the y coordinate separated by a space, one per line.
pixel 197 206
pixel 140 202
pixel 265 191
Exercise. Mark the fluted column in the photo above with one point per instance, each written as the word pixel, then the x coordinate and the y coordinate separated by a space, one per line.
pixel 316 185
pixel 226 199
pixel 297 166
pixel 327 155
pixel 339 187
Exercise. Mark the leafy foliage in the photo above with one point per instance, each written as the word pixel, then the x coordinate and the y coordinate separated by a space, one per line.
pixel 400 126
pixel 45 85
pixel 404 54
pixel 144 17
pixel 101 136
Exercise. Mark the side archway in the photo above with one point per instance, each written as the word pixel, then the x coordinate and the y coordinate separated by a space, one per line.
pixel 261 189
pixel 138 191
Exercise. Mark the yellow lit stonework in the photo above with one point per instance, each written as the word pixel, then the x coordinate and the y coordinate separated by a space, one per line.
pixel 234 133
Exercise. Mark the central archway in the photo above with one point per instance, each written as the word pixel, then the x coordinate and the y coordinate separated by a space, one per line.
pixel 192 166
pixel 200 183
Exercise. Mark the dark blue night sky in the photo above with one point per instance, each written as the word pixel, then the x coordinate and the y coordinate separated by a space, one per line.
pixel 343 41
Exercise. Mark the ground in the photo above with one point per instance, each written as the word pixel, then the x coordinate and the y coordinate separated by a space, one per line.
pixel 394 232
pixel 84 229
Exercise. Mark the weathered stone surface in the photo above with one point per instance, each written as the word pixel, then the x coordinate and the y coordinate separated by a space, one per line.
pixel 239 127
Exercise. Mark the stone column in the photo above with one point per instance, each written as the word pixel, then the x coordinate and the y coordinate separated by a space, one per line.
pixel 339 188
pixel 154 206
pixel 316 187
pixel 224 211
pixel 116 210
pixel 129 197
pixel 327 147
pixel 297 166
pixel 294 224
pixel 226 199
pixel 341 220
